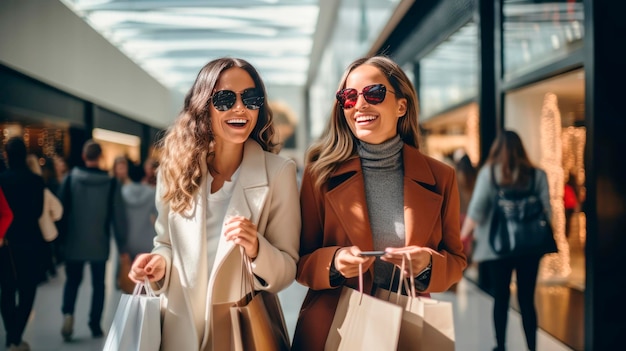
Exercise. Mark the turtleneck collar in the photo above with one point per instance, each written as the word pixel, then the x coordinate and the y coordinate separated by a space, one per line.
pixel 384 156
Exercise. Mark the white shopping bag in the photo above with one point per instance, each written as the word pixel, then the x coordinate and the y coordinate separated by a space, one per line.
pixel 137 322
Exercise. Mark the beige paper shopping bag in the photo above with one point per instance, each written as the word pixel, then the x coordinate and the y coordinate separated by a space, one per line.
pixel 364 322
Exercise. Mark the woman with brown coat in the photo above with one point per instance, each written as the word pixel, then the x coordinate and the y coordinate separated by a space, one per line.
pixel 368 187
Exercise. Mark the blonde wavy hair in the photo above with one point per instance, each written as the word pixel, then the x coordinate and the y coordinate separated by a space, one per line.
pixel 188 142
pixel 337 143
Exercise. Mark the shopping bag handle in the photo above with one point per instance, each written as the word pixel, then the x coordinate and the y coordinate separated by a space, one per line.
pixel 147 287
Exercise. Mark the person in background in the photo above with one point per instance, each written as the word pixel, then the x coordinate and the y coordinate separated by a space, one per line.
pixel 150 167
pixel 52 212
pixel 120 169
pixel 570 202
pixel 24 256
pixel 60 171
pixel 366 186
pixel 512 169
pixel 466 179
pixel 221 189
pixel 141 214
pixel 93 204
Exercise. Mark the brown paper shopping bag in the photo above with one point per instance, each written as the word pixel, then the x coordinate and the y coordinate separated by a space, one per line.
pixel 256 320
pixel 363 322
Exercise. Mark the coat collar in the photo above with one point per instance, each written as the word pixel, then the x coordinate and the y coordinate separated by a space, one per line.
pixel 248 199
pixel 249 194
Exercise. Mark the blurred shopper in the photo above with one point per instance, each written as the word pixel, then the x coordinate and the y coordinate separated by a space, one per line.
pixel 141 214
pixel 24 256
pixel 93 204
pixel 52 212
pixel 366 186
pixel 221 190
pixel 120 169
pixel 60 172
pixel 512 169
pixel 466 178
pixel 150 167
pixel 570 202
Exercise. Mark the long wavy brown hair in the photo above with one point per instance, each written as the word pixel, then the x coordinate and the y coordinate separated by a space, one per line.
pixel 508 153
pixel 186 148
pixel 337 143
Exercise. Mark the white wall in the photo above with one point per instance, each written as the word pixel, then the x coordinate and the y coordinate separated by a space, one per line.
pixel 47 41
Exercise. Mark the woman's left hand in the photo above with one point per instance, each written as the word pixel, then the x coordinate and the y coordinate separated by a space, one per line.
pixel 243 232
pixel 420 257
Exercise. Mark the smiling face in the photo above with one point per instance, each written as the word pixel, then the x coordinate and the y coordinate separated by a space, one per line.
pixel 234 125
pixel 373 124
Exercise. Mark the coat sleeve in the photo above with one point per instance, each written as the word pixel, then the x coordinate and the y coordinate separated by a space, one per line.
pixel 6 215
pixel 53 204
pixel 120 222
pixel 162 240
pixel 315 260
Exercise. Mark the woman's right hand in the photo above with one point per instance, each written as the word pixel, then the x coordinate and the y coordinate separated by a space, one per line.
pixel 347 261
pixel 147 265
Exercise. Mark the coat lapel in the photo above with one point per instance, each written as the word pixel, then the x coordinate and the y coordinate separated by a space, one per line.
pixel 421 205
pixel 249 193
pixel 348 202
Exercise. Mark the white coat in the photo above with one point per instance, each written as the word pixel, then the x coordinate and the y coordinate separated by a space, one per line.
pixel 52 212
pixel 266 192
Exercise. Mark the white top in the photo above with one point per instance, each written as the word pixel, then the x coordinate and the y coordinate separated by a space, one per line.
pixel 216 213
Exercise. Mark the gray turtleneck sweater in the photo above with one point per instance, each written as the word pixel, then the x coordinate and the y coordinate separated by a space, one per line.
pixel 383 173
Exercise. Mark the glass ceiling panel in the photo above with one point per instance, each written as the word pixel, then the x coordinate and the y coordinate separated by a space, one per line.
pixel 172 40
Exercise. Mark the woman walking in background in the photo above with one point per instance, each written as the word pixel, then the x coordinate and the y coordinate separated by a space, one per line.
pixel 512 169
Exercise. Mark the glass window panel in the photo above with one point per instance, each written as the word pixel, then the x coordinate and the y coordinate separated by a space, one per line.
pixel 537 34
pixel 449 74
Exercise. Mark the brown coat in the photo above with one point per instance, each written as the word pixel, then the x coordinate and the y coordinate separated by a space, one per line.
pixel 337 217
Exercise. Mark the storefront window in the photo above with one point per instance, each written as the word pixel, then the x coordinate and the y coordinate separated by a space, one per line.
pixel 550 118
pixel 537 34
pixel 449 74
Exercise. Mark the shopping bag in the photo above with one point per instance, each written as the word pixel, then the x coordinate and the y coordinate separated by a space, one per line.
pixel 137 322
pixel 363 322
pixel 254 328
pixel 256 320
pixel 427 324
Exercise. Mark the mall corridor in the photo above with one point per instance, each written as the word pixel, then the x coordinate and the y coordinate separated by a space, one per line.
pixel 472 317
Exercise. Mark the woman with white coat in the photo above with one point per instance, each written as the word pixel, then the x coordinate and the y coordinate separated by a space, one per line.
pixel 220 187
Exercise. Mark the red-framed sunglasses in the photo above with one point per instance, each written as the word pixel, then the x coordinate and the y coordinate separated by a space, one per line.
pixel 374 94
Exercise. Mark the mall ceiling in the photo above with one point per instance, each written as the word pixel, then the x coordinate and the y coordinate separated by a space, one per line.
pixel 173 39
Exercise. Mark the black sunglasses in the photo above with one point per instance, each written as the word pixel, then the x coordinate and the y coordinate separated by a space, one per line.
pixel 374 94
pixel 224 100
